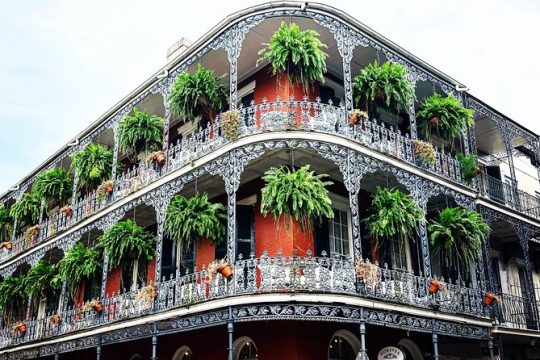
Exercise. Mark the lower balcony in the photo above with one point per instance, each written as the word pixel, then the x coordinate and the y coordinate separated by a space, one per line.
pixel 517 312
pixel 254 276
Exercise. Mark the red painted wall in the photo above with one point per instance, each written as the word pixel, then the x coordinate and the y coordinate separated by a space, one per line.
pixel 206 253
pixel 267 86
pixel 113 281
pixel 151 272
pixel 272 235
pixel 78 296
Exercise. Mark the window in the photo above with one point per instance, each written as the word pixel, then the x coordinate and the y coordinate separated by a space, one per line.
pixel 245 349
pixel 183 353
pixel 343 346
pixel 398 253
pixel 339 233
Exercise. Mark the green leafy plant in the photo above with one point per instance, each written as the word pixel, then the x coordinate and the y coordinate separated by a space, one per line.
pixel 300 195
pixel 386 84
pixel 12 293
pixel 39 279
pixel 195 219
pixel 469 166
pixel 54 186
pixel 444 116
pixel 230 124
pixel 127 241
pixel 297 53
pixel 92 166
pixel 6 225
pixel 424 151
pixel 26 210
pixel 140 133
pixel 197 96
pixel 80 263
pixel 393 214
pixel 31 234
pixel 458 234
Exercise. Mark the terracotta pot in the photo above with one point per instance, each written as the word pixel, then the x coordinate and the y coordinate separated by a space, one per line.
pixel 21 328
pixel 55 319
pixel 159 158
pixel 353 120
pixel 434 122
pixel 226 271
pixel 8 245
pixel 109 187
pixel 479 170
pixel 69 213
pixel 434 286
pixel 489 298
pixel 98 307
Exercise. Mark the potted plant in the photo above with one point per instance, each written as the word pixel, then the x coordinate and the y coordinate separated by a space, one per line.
pixel 222 267
pixel 92 166
pixel 469 166
pixel 386 85
pixel 444 116
pixel 6 225
pixel 456 235
pixel 55 319
pixel 39 281
pixel 95 305
pixel 26 210
pixel 367 271
pixel 141 133
pixel 79 263
pixel 103 190
pixel 126 241
pixel 53 186
pixel 20 327
pixel 393 214
pixel 146 295
pixel 297 195
pixel 299 54
pixel 357 116
pixel 436 285
pixel 489 298
pixel 12 295
pixel 67 210
pixel 230 124
pixel 7 245
pixel 31 234
pixel 194 220
pixel 424 153
pixel 197 96
pixel 159 157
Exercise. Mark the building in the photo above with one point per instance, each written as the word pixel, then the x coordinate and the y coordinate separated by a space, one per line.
pixel 293 294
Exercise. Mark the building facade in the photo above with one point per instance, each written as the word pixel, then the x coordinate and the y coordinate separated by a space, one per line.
pixel 291 295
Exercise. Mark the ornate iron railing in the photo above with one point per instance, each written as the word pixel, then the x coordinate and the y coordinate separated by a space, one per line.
pixel 278 274
pixel 509 195
pixel 289 115
pixel 516 311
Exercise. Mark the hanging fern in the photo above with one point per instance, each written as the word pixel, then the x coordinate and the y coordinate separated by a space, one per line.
pixel 300 195
pixel 195 219
pixel 39 279
pixel 127 241
pixel 12 293
pixel 26 210
pixel 53 186
pixel 197 96
pixel 297 53
pixel 6 225
pixel 80 263
pixel 140 133
pixel 92 166
pixel 393 213
pixel 458 233
pixel 444 116
pixel 388 83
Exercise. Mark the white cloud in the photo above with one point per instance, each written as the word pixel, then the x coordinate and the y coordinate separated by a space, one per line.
pixel 63 63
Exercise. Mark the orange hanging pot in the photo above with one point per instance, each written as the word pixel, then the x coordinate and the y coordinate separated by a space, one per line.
pixel 21 328
pixel 434 286
pixel 98 307
pixel 489 298
pixel 159 158
pixel 226 271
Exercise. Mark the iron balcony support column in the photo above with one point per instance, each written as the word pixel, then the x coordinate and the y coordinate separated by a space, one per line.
pixel 104 275
pixel 515 194
pixel 412 112
pixel 14 233
pixel 435 343
pixel 524 238
pixel 116 135
pixel 62 299
pixel 154 342
pixel 166 124
pixel 230 333
pixel 362 353
pixel 75 190
pixel 98 352
pixel 490 347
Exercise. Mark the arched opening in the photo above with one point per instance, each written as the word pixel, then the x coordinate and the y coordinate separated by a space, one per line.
pixel 245 349
pixel 183 353
pixel 344 345
pixel 410 349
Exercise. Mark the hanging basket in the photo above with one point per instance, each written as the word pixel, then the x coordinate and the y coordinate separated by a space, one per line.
pixel 489 298
pixel 21 328
pixel 97 306
pixel 8 245
pixel 226 271
pixel 434 122
pixel 159 158
pixel 434 286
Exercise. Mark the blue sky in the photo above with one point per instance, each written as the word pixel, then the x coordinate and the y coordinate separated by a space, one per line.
pixel 64 63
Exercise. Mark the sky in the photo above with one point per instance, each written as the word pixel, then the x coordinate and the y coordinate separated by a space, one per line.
pixel 63 63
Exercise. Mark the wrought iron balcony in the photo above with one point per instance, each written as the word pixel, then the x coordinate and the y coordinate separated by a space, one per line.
pixel 510 196
pixel 517 311
pixel 254 276
pixel 258 118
